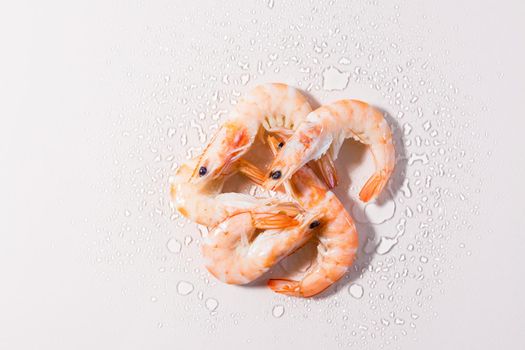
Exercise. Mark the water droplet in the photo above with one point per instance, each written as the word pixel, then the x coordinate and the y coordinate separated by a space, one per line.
pixel 174 246
pixel 405 189
pixel 188 240
pixel 423 259
pixel 184 288
pixel 377 214
pixel 183 139
pixel 271 3
pixel 414 157
pixel 203 230
pixel 245 78
pixel 153 299
pixel 407 128
pixel 334 79
pixel 344 60
pixel 211 304
pixel 356 290
pixel 399 321
pixel 198 127
pixel 278 311
pixel 386 244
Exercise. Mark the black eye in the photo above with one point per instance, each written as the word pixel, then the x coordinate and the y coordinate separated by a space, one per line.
pixel 276 175
pixel 315 223
pixel 202 171
pixel 280 145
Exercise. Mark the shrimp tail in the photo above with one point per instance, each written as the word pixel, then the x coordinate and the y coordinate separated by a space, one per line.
pixel 326 167
pixel 286 286
pixel 373 186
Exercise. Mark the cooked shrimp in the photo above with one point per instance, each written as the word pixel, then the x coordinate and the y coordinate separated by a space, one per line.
pixel 324 131
pixel 204 203
pixel 235 254
pixel 277 107
pixel 338 239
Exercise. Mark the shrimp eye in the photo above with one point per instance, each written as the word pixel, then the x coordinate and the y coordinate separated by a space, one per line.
pixel 280 145
pixel 314 224
pixel 202 171
pixel 276 175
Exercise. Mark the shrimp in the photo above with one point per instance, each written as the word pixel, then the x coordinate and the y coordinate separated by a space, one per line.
pixel 337 236
pixel 279 108
pixel 338 239
pixel 235 254
pixel 324 131
pixel 204 203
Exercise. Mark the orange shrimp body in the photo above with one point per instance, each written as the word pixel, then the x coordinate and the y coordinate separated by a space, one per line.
pixel 337 236
pixel 324 131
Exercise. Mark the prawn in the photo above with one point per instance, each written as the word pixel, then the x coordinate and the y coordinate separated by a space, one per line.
pixel 324 131
pixel 279 108
pixel 337 236
pixel 234 253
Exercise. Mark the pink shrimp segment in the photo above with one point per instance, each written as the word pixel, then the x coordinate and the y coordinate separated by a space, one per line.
pixel 337 237
pixel 324 131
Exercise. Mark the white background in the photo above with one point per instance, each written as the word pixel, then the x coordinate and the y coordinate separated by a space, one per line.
pixel 76 76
